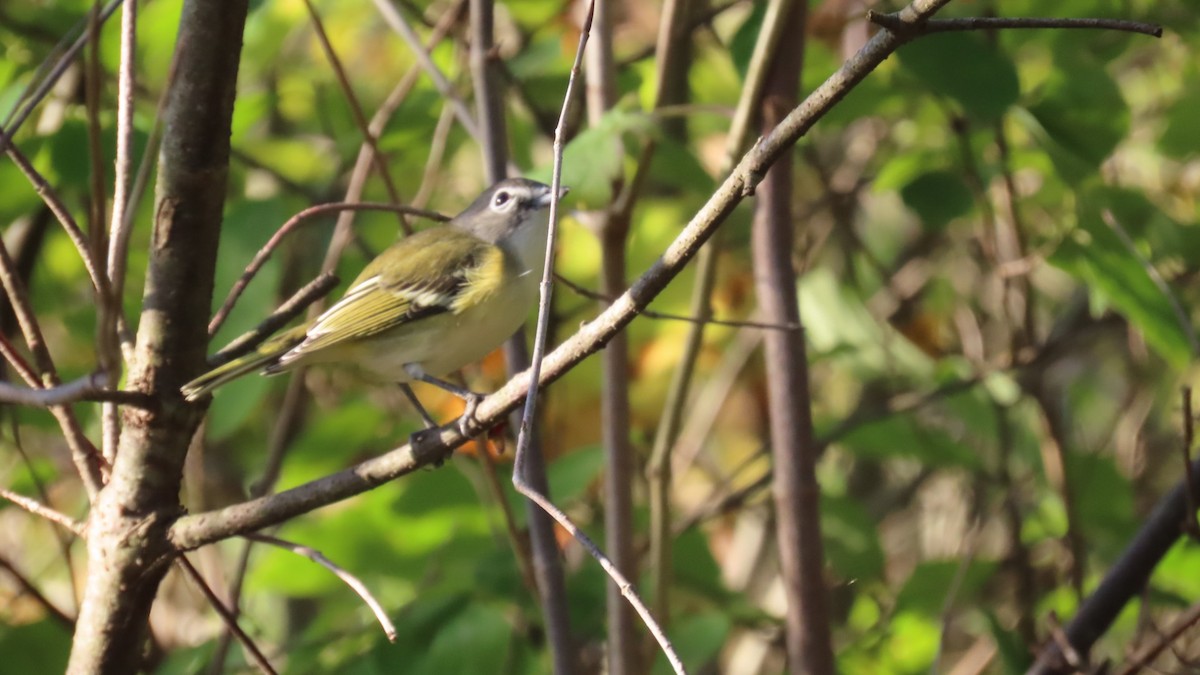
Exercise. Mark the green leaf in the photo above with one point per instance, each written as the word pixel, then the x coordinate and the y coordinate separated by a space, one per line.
pixel 476 640
pixel 1097 256
pixel 938 197
pixel 40 647
pixel 1105 508
pixel 851 541
pixel 694 567
pixel 902 436
pixel 1083 114
pixel 1014 653
pixel 930 584
pixel 1181 136
pixel 594 159
pixel 741 47
pixel 966 68
pixel 574 472
pixel 697 639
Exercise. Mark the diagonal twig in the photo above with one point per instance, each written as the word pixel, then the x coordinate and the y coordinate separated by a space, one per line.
pixel 265 252
pixel 894 23
pixel 290 309
pixel 349 579
pixel 539 347
pixel 230 620
pixel 38 509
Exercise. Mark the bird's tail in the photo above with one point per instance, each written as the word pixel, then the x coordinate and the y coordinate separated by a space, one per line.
pixel 266 354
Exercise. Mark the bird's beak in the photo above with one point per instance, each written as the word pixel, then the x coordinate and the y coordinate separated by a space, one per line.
pixel 546 198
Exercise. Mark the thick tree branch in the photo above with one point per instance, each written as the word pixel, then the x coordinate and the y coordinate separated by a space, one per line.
pixel 127 547
pixel 794 450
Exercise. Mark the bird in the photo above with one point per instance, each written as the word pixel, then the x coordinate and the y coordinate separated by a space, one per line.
pixel 428 305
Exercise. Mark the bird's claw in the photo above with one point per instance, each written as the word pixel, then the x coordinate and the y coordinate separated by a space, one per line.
pixel 467 420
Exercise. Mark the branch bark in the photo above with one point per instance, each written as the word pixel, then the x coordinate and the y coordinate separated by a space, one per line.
pixel 127 546
pixel 1124 581
pixel 793 449
pixel 543 546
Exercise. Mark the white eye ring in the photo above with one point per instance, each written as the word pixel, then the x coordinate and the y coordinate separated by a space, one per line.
pixel 501 199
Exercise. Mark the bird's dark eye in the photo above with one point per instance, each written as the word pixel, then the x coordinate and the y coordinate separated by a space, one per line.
pixel 501 198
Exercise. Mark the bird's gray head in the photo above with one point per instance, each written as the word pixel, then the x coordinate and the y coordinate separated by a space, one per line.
pixel 506 207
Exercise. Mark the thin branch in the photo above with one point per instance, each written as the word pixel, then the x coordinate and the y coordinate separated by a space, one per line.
pixel 88 462
pixel 119 239
pixel 13 124
pixel 88 388
pixel 1123 581
pixel 33 592
pixel 521 550
pixel 369 137
pixel 222 611
pixel 398 23
pixel 894 23
pixel 363 163
pixel 93 74
pixel 265 252
pixel 38 509
pixel 794 448
pixel 290 309
pixel 611 227
pixel 541 559
pixel 349 579
pixel 1189 437
pixel 659 467
pixel 52 200
pixel 64 539
pixel 109 308
pixel 1146 655
pixel 287 424
pixel 651 314
pixel 437 154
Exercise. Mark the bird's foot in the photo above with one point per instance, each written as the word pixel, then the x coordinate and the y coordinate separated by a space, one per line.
pixel 467 420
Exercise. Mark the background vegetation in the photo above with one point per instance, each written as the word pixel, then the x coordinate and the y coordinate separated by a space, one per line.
pixel 997 246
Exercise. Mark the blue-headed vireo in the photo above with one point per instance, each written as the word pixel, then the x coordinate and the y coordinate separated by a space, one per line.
pixel 428 305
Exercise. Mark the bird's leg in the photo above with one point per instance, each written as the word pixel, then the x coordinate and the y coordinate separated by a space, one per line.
pixel 471 398
pixel 416 403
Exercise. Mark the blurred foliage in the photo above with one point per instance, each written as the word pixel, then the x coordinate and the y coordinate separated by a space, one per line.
pixel 1000 249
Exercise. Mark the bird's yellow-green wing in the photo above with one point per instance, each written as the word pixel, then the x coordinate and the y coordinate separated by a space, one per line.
pixel 257 360
pixel 427 273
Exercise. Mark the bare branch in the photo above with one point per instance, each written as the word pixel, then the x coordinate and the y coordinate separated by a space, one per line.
pixel 222 611
pixel 265 252
pixel 356 111
pixel 895 23
pixel 1124 580
pixel 364 161
pixel 290 309
pixel 88 462
pixel 52 200
pixel 13 124
pixel 28 587
pixel 651 314
pixel 349 579
pixel 38 509
pixel 398 23
pixel 1143 657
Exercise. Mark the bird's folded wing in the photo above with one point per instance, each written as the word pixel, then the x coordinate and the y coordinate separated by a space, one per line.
pixel 372 307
